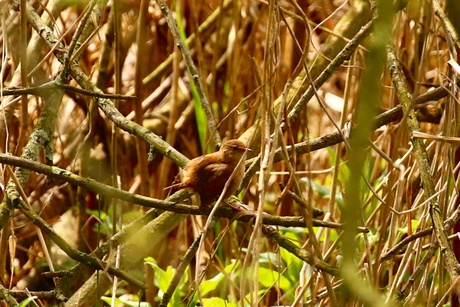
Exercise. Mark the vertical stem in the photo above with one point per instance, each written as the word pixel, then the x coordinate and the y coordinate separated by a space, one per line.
pixel 24 101
pixel 355 285
pixel 114 145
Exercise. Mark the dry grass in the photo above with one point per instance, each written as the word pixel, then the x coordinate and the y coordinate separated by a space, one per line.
pixel 250 59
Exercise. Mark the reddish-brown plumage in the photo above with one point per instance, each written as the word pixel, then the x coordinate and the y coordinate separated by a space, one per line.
pixel 208 174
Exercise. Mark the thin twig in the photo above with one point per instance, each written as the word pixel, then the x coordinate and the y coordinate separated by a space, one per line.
pixel 421 156
pixel 39 90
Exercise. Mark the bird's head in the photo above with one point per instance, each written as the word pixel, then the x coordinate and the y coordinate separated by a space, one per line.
pixel 233 150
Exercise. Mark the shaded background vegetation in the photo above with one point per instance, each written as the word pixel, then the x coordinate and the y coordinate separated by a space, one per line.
pixel 257 64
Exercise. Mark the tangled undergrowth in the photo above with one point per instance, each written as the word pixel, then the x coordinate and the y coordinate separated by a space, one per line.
pixel 350 192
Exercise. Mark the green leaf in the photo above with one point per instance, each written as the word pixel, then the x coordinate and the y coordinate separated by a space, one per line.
pixel 333 235
pixel 293 265
pixel 268 278
pixel 414 224
pixel 123 303
pixel 268 257
pixel 217 302
pixel 201 122
pixel 322 190
pixel 162 278
pixel 211 284
pixel 27 301
pixel 344 171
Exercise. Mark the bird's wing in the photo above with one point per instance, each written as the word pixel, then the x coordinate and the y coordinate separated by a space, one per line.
pixel 212 170
pixel 202 169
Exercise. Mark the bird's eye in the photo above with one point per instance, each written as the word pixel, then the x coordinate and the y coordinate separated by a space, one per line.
pixel 235 147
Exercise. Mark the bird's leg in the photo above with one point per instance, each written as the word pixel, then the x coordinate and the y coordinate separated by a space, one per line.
pixel 235 204
pixel 232 206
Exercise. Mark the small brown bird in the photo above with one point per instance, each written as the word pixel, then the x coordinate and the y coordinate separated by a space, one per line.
pixel 207 175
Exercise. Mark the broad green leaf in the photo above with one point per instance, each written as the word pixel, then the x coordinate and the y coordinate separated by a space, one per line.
pixel 162 278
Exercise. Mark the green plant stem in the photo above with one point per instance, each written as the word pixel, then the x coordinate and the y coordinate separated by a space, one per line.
pixel 354 284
